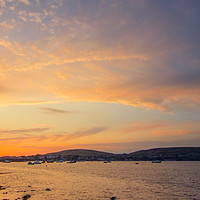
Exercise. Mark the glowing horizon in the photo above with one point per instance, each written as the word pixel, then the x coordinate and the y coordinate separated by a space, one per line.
pixel 114 75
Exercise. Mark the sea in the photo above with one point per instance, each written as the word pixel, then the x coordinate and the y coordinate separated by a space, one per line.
pixel 124 180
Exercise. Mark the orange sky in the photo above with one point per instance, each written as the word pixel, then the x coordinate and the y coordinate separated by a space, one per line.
pixel 116 76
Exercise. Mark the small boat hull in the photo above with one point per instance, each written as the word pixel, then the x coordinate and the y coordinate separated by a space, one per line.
pixel 37 162
pixel 156 161
pixel 30 163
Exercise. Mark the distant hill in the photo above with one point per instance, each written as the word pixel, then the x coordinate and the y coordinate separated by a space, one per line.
pixel 171 153
pixel 81 152
pixel 190 153
pixel 174 153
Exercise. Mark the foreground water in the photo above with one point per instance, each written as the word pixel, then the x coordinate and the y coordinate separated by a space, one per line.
pixel 97 180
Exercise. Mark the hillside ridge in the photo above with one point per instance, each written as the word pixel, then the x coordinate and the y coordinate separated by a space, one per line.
pixel 163 153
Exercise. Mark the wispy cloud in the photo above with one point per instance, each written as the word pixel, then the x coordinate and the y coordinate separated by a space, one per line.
pixel 84 133
pixel 25 2
pixel 164 128
pixel 34 102
pixel 144 126
pixel 175 132
pixel 55 111
pixel 7 25
pixel 23 130
pixel 44 138
pixel 70 136
pixel 3 3
pixel 8 102
pixel 105 59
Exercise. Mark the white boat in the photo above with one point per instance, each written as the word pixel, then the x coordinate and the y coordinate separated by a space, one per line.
pixel 156 161
pixel 107 161
pixel 59 161
pixel 37 162
pixel 6 161
pixel 72 161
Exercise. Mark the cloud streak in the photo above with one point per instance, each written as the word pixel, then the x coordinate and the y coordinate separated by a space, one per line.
pixel 84 133
pixel 53 137
pixel 164 128
pixel 55 111
pixel 23 130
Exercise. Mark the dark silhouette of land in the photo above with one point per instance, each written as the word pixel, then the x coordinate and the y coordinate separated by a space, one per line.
pixel 171 153
pixel 81 152
pixel 165 154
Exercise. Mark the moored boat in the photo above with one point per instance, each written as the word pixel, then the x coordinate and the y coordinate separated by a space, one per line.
pixel 107 161
pixel 72 161
pixel 59 161
pixel 37 162
pixel 6 161
pixel 156 161
pixel 50 161
pixel 30 163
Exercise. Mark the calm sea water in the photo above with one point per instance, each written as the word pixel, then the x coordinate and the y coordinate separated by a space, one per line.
pixel 97 180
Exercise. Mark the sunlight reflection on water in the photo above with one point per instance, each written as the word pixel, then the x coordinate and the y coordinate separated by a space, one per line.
pixel 96 180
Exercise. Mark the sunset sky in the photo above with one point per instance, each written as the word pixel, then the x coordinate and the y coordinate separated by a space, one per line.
pixel 110 75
